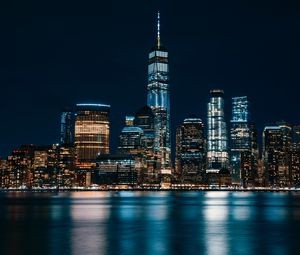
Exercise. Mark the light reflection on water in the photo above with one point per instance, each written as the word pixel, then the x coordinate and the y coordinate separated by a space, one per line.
pixel 149 223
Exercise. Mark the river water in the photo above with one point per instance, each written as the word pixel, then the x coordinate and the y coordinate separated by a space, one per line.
pixel 213 222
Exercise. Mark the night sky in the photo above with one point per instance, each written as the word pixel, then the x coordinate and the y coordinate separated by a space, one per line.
pixel 57 54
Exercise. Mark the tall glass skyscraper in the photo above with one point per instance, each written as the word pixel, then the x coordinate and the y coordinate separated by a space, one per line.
pixel 91 131
pixel 158 99
pixel 217 141
pixel 66 126
pixel 243 143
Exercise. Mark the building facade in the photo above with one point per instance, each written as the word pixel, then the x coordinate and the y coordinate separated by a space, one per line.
pixel 243 144
pixel 92 131
pixel 190 149
pixel 67 127
pixel 217 141
pixel 276 154
pixel 158 99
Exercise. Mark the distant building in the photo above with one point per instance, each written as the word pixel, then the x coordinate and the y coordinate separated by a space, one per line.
pixel 295 156
pixel 67 127
pixel 19 165
pixel 190 149
pixel 276 154
pixel 115 169
pixel 92 131
pixel 158 99
pixel 144 118
pixel 243 144
pixel 129 120
pixel 131 141
pixel 217 141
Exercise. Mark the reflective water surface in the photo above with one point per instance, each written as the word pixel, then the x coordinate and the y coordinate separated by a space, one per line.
pixel 150 223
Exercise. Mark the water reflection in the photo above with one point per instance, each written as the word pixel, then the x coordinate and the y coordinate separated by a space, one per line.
pixel 149 223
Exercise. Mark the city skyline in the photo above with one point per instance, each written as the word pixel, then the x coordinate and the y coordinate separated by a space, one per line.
pixel 40 126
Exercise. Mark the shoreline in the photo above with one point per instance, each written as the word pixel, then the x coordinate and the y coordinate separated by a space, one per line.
pixel 150 190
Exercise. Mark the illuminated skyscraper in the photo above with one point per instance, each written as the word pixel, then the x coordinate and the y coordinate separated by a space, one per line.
pixel 66 127
pixel 190 148
pixel 131 141
pixel 277 144
pixel 243 143
pixel 144 118
pixel 217 142
pixel 158 99
pixel 92 129
pixel 295 156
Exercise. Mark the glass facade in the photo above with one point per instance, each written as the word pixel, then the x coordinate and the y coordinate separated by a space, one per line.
pixel 66 127
pixel 217 142
pixel 92 130
pixel 130 141
pixel 277 144
pixel 190 148
pixel 158 99
pixel 144 118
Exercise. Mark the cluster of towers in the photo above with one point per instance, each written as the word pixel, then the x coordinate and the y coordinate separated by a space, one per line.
pixel 212 153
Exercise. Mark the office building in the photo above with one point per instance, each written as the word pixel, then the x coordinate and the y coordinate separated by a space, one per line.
pixel 190 149
pixel 92 131
pixel 158 99
pixel 217 141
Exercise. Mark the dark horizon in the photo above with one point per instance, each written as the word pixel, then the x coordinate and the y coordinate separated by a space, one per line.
pixel 54 57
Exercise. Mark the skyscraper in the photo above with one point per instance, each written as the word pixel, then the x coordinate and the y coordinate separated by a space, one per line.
pixel 243 143
pixel 144 118
pixel 158 99
pixel 66 127
pixel 92 129
pixel 130 141
pixel 217 141
pixel 276 153
pixel 190 149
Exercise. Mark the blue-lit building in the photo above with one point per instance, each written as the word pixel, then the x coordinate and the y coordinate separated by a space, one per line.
pixel 115 169
pixel 243 143
pixel 217 141
pixel 144 118
pixel 158 99
pixel 131 141
pixel 66 127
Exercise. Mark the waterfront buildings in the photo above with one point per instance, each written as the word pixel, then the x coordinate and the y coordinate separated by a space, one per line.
pixel 92 131
pixel 217 141
pixel 190 149
pixel 158 99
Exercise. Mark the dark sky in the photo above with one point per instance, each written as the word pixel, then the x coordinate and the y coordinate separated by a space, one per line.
pixel 55 54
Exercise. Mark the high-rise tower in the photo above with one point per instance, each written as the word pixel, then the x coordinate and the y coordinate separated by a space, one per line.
pixel 190 148
pixel 158 99
pixel 66 127
pixel 91 131
pixel 243 143
pixel 217 141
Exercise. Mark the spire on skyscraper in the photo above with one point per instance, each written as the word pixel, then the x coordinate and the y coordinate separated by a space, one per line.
pixel 158 29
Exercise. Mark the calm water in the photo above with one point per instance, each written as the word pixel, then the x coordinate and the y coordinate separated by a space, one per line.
pixel 150 223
